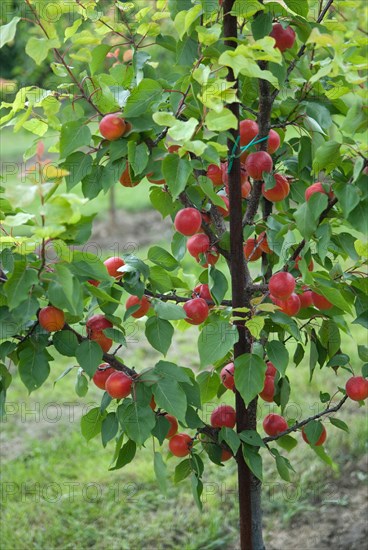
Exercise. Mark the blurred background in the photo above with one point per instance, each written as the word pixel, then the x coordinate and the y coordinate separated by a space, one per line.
pixel 57 492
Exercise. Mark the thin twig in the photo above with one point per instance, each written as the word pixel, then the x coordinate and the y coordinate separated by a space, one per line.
pixel 302 244
pixel 301 50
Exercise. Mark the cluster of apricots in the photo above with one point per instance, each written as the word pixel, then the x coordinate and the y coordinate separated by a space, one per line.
pixel 273 424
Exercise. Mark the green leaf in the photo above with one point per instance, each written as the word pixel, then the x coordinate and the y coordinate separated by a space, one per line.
pixel 339 424
pixel 79 165
pixel 361 248
pixel 283 466
pixel 335 297
pixel 19 284
pixel 182 470
pixel 362 320
pixel 136 421
pixel 209 35
pixel 313 430
pixel 287 442
pixel 138 156
pixel 176 172
pixel 301 8
pixel 5 376
pixel 255 325
pixel 159 333
pixel 33 367
pixel 125 456
pixel 249 376
pixel 160 471
pixel 246 8
pixel 178 246
pixel 298 355
pixel 262 25
pixel 231 438
pixel 161 201
pixel 165 310
pixel 326 157
pixel 209 383
pixel 183 131
pixel 348 196
pixel 197 488
pixel 207 187
pixel 240 60
pixel 7 32
pixel 65 342
pixel 38 48
pixel 115 335
pixel 168 393
pixel 105 402
pixel 220 122
pixel 91 423
pixel 81 385
pixel 89 356
pixel 330 336
pixel 73 135
pixel 65 292
pixel 363 353
pixel 321 453
pixel 287 323
pixel 109 428
pixel 160 280
pixel 269 180
pixel 163 258
pixel 278 355
pixel 98 57
pixel 218 284
pixel 85 265
pixel 161 428
pixel 142 97
pixel 253 460
pixel 324 397
pixel 216 339
pixel 101 295
pixel 251 437
pixel 357 217
pixel 307 214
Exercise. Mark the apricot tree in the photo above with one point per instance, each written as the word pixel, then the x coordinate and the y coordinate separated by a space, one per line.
pixel 247 118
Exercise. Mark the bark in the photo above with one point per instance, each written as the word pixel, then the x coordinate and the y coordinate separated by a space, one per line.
pixel 249 490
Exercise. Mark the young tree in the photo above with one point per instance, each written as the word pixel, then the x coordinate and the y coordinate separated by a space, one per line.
pixel 247 119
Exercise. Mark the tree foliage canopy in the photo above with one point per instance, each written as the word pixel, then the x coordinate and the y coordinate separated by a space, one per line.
pixel 173 88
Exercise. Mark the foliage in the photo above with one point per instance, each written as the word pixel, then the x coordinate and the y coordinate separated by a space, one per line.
pixel 317 112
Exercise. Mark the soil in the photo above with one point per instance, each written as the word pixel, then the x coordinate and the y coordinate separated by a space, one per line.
pixel 339 523
pixel 130 231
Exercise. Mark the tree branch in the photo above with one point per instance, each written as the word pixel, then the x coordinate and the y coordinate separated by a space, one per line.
pixel 107 357
pixel 264 121
pixel 184 199
pixel 302 244
pixel 298 425
pixel 182 299
pixel 61 59
pixel 301 50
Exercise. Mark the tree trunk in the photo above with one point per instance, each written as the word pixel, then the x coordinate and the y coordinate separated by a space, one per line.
pixel 249 488
pixel 112 206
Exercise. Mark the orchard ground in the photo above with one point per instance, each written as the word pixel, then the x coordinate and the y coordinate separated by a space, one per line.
pixel 57 491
